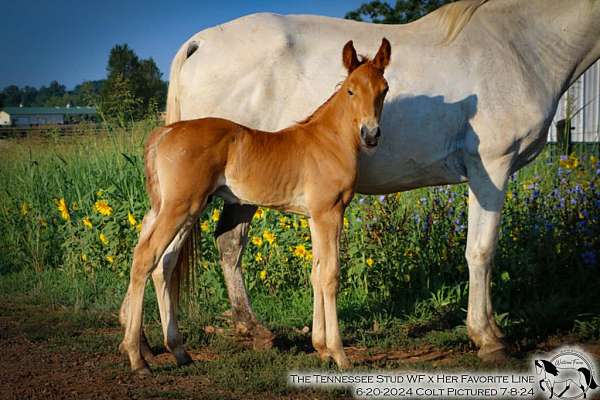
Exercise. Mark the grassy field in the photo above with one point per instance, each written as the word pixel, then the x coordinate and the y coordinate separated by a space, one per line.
pixel 70 210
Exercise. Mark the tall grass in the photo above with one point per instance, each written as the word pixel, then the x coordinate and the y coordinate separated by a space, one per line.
pixel 71 208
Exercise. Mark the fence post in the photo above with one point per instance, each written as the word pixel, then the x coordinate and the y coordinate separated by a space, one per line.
pixel 563 136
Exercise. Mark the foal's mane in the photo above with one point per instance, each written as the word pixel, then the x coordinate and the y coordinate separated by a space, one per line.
pixel 362 60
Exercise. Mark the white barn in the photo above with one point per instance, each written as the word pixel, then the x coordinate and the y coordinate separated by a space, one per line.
pixel 582 103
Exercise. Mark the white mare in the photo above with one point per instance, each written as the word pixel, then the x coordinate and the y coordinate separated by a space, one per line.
pixel 473 89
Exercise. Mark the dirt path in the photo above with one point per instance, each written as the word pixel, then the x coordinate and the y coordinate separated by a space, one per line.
pixel 42 356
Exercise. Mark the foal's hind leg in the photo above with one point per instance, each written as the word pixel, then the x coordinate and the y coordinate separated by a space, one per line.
pixel 148 252
pixel 147 223
pixel 167 300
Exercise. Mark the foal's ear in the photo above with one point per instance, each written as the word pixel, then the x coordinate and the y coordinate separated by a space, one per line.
pixel 382 59
pixel 349 57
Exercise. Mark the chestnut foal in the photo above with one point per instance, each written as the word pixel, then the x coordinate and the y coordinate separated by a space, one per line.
pixel 309 168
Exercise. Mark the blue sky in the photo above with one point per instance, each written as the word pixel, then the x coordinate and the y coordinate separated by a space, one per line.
pixel 69 40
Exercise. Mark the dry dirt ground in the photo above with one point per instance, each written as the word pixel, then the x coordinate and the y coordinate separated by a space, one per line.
pixel 43 357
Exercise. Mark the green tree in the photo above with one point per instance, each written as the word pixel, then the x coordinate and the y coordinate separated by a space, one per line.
pixel 134 80
pixel 51 95
pixel 119 103
pixel 87 93
pixel 381 12
pixel 28 95
pixel 12 96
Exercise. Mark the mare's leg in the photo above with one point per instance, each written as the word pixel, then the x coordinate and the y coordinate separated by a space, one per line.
pixel 487 185
pixel 325 231
pixel 169 221
pixel 232 236
pixel 164 280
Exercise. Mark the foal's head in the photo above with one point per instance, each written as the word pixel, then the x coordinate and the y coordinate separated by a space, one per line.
pixel 365 88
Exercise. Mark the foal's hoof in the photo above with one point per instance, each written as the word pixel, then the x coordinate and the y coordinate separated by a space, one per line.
pixel 142 371
pixel 493 354
pixel 343 362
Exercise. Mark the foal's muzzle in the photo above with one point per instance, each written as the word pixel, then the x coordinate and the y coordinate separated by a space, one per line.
pixel 370 136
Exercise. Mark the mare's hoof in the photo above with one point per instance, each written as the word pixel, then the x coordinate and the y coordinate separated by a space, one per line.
pixel 183 359
pixel 262 338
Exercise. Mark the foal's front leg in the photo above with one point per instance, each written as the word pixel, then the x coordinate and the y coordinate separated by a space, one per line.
pixel 325 229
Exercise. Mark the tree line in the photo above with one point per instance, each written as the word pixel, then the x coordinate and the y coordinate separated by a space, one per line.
pixel 133 89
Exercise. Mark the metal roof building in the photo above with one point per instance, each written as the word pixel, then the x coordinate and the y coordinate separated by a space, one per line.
pixel 31 116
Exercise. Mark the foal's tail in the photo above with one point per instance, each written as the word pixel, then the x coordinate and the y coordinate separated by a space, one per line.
pixel 183 274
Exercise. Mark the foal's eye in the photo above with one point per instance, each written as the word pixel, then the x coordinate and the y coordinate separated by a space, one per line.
pixel 350 92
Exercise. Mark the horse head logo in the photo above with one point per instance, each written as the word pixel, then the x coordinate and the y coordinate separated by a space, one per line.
pixel 568 375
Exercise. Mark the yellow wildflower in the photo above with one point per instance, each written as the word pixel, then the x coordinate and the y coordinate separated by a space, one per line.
pixel 84 258
pixel 204 226
pixel 370 262
pixel 131 219
pixel 309 255
pixel 263 274
pixel 25 207
pixel 346 223
pixel 216 215
pixel 303 222
pixel 61 204
pixel 103 239
pixel 110 259
pixel 258 257
pixel 138 227
pixel 570 162
pixel 257 241
pixel 509 195
pixel 300 251
pixel 283 222
pixel 87 223
pixel 102 207
pixel 260 213
pixel 269 237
